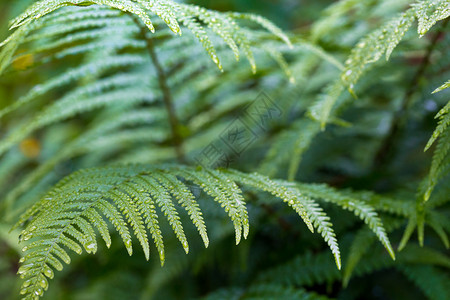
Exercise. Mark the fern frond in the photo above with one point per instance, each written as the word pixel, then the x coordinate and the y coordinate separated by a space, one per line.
pixel 444 121
pixel 364 211
pixel 265 24
pixel 372 47
pixel 361 244
pixel 441 159
pixel 442 87
pixel 95 68
pixel 316 269
pixel 75 104
pixel 44 7
pixel 430 12
pixel 439 229
pixel 412 222
pixel 127 196
pixel 304 270
pixel 171 13
pixel 321 222
pixel 260 182
pixel 432 281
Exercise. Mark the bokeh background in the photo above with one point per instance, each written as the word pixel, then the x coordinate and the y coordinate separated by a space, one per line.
pixel 113 275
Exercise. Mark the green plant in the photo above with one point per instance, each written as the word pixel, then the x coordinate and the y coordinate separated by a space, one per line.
pixel 132 98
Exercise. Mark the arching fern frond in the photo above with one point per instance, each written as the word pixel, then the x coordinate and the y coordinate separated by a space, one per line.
pixel 129 196
pixel 442 87
pixel 194 18
pixel 363 210
pixel 372 47
pixel 430 12
pixel 444 121
pixel 441 157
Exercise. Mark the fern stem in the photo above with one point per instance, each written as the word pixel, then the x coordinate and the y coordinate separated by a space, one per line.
pixel 167 94
pixel 387 150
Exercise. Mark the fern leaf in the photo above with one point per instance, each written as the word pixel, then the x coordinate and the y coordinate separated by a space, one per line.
pixel 213 187
pixel 68 107
pixel 10 46
pixel 199 32
pixel 258 181
pixel 430 12
pixel 432 281
pixel 441 160
pixel 163 200
pixel 264 23
pixel 95 67
pixel 407 233
pixel 217 25
pixel 361 244
pixel 187 200
pixel 442 87
pixel 44 7
pixel 164 10
pixel 126 196
pixel 321 222
pixel 361 209
pixel 372 47
pixel 304 270
pixel 444 121
pixel 438 228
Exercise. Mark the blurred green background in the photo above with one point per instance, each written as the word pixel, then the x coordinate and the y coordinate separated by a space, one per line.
pixel 113 275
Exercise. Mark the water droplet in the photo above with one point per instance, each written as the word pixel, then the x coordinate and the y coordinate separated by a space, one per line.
pixel 27 283
pixel 48 272
pixel 25 268
pixel 43 283
pixel 39 292
pixel 90 247
pixel 27 236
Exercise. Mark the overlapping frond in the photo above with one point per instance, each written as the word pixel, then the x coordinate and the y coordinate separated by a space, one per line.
pixel 194 18
pixel 430 12
pixel 265 291
pixel 310 270
pixel 372 47
pixel 432 281
pixel 442 87
pixel 364 211
pixel 441 158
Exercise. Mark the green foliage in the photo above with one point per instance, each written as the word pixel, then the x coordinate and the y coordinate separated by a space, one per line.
pixel 111 111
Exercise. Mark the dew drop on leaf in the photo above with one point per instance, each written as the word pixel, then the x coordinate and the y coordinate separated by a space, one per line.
pixel 48 272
